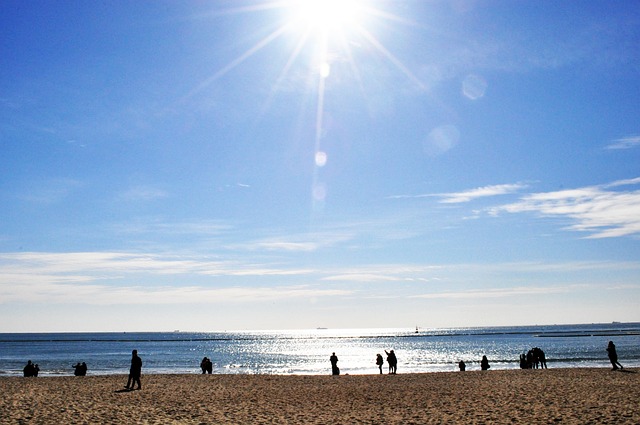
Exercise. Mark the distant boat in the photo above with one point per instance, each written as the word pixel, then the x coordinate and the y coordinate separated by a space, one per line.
pixel 416 329
pixel 321 329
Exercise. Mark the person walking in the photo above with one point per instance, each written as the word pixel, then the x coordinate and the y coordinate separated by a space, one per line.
pixel 613 356
pixel 135 371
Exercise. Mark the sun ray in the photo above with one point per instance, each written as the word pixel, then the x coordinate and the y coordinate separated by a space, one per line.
pixel 285 70
pixel 319 195
pixel 237 61
pixel 392 58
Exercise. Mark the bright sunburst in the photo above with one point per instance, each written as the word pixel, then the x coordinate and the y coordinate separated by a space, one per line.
pixel 327 15
pixel 330 30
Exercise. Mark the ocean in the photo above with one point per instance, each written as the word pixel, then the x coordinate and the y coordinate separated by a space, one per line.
pixel 306 352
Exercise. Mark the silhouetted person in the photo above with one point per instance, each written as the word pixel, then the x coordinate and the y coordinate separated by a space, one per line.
pixel 540 358
pixel 613 356
pixel 523 361
pixel 462 366
pixel 335 370
pixel 484 364
pixel 80 369
pixel 29 370
pixel 392 360
pixel 135 371
pixel 379 362
pixel 529 359
pixel 36 369
pixel 206 366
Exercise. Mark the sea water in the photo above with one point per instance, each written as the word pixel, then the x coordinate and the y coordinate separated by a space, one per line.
pixel 307 352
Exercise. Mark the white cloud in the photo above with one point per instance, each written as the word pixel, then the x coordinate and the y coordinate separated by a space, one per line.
pixel 95 265
pixel 497 292
pixel 481 192
pixel 123 278
pixel 595 209
pixel 50 191
pixel 625 143
pixel 67 293
pixel 143 193
pixel 306 242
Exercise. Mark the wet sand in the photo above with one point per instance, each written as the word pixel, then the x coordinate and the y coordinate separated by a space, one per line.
pixel 567 396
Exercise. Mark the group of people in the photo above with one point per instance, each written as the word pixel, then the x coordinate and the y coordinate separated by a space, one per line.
pixel 31 369
pixel 391 360
pixel 533 359
pixel 484 364
pixel 80 369
pixel 206 365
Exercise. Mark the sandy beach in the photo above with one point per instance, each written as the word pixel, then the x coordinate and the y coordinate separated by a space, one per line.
pixel 573 396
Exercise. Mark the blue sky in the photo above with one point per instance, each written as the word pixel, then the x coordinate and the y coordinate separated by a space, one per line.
pixel 270 165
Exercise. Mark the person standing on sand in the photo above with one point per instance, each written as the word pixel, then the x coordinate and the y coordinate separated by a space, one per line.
pixel 206 366
pixel 462 366
pixel 613 356
pixel 135 371
pixel 335 370
pixel 29 370
pixel 484 364
pixel 379 362
pixel 393 361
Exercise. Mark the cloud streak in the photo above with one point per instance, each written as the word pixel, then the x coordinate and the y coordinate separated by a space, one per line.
pixel 625 143
pixel 599 210
pixel 498 293
pixel 481 192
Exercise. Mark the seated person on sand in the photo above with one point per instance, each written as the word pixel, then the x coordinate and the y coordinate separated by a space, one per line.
pixel 484 364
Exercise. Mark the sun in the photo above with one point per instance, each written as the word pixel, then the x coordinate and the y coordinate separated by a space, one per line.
pixel 327 15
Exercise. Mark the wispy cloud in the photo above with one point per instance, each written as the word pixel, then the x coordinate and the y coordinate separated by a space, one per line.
pixel 50 191
pixel 498 292
pixel 96 265
pixel 625 143
pixel 481 192
pixel 303 242
pixel 469 195
pixel 52 292
pixel 596 209
pixel 143 193
pixel 388 273
pixel 124 278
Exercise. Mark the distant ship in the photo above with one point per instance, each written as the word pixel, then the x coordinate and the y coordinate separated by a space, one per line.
pixel 416 329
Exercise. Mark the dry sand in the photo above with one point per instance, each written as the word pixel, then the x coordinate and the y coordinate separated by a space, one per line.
pixel 567 396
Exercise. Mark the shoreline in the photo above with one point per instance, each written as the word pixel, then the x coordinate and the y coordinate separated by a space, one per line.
pixel 569 395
